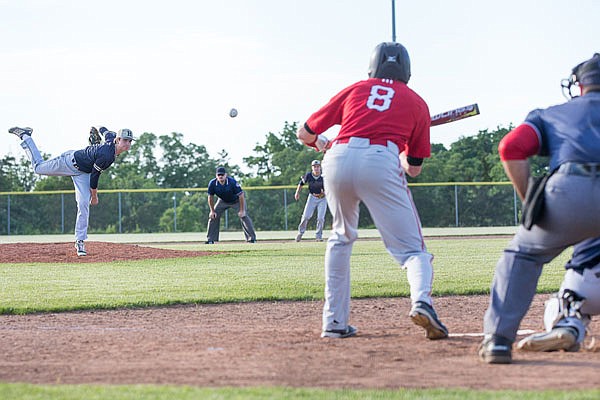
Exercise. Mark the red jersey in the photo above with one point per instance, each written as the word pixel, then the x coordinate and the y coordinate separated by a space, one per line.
pixel 380 109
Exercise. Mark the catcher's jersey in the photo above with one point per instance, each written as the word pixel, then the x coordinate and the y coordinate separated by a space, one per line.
pixel 95 159
pixel 569 132
pixel 380 109
pixel 315 183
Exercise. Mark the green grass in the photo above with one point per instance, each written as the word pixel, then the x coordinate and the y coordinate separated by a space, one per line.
pixel 264 271
pixel 150 392
pixel 269 271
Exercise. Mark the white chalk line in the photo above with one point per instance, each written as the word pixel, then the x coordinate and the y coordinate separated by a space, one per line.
pixel 478 334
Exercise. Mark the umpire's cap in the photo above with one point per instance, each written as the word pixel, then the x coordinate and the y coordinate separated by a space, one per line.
pixel 221 170
pixel 315 162
pixel 125 134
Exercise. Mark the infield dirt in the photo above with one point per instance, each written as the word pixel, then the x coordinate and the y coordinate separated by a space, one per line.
pixel 277 344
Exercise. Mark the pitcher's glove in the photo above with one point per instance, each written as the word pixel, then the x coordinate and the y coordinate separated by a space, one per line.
pixel 95 137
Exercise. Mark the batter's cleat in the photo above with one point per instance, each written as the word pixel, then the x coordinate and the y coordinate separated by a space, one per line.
pixel 319 239
pixel 298 237
pixel 20 131
pixel 340 333
pixel 560 338
pixel 209 242
pixel 80 246
pixel 495 350
pixel 252 241
pixel 424 315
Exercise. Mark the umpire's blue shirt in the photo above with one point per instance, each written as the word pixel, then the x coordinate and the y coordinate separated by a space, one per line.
pixel 229 192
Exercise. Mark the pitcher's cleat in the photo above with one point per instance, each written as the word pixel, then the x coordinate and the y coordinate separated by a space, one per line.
pixel 20 131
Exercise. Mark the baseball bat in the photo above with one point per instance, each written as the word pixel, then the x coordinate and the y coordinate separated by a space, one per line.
pixel 455 115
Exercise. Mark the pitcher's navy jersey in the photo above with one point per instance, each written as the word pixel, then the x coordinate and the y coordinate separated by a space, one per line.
pixel 95 159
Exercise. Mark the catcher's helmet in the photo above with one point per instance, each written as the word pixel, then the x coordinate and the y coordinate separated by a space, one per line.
pixel 390 60
pixel 586 73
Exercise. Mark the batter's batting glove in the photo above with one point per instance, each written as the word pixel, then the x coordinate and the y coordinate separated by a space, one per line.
pixel 95 137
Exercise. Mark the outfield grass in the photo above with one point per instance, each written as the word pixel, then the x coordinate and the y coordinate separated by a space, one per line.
pixel 262 271
pixel 269 271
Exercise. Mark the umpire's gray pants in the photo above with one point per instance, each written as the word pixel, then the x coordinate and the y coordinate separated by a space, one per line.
pixel 572 214
pixel 214 224
pixel 313 203
pixel 63 166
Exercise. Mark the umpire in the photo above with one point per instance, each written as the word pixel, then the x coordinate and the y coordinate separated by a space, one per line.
pixel 569 134
pixel 230 195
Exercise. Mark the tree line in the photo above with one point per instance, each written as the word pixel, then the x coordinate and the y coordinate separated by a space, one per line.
pixel 166 161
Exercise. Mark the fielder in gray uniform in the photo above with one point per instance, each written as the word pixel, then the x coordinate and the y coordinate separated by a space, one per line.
pixel 316 200
pixel 569 134
pixel 384 135
pixel 83 166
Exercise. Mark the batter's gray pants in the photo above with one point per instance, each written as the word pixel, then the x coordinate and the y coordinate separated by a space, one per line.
pixel 358 171
pixel 313 203
pixel 572 214
pixel 214 224
pixel 63 165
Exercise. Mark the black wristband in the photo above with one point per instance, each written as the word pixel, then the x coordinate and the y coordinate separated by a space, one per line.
pixel 414 161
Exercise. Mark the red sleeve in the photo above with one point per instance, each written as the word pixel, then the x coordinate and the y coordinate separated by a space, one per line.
pixel 519 144
pixel 419 144
pixel 328 115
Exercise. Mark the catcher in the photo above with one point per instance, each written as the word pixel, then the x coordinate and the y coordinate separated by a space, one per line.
pixel 316 200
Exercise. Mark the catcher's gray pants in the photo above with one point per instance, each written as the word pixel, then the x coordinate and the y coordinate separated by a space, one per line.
pixel 358 171
pixel 213 224
pixel 63 165
pixel 313 203
pixel 572 214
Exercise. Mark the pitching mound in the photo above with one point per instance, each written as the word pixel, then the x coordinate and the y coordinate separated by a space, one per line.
pixel 97 252
pixel 278 344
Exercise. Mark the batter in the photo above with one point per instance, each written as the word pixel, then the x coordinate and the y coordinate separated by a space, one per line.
pixel 384 135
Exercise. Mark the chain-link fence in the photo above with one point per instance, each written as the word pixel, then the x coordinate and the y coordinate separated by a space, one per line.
pixel 271 208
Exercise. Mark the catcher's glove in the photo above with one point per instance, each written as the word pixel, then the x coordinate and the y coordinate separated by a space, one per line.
pixel 95 137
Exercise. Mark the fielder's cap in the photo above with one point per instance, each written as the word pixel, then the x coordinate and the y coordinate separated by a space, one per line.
pixel 315 162
pixel 125 134
pixel 221 170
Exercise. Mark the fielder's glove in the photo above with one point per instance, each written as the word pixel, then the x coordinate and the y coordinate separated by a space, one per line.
pixel 95 137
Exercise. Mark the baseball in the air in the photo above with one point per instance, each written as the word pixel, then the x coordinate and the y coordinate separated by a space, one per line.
pixel 233 113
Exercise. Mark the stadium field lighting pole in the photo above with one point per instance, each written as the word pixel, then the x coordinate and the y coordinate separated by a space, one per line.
pixel 393 20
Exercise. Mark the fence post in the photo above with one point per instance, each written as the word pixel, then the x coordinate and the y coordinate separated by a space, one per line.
pixel 62 213
pixel 8 216
pixel 456 204
pixel 285 208
pixel 175 212
pixel 120 214
pixel 515 206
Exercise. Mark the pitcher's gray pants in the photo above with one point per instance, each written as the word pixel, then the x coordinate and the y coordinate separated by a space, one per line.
pixel 63 165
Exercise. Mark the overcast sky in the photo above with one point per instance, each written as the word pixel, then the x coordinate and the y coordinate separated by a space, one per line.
pixel 179 66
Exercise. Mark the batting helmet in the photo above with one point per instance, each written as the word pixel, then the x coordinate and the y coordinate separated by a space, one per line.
pixel 390 60
pixel 586 73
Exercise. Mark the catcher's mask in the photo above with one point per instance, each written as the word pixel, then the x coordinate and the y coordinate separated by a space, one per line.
pixel 390 60
pixel 586 73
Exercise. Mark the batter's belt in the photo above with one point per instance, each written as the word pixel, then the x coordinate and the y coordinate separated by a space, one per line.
pixel 361 142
